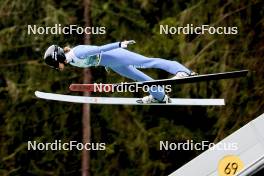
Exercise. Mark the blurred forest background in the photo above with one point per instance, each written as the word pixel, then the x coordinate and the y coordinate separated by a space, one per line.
pixel 132 133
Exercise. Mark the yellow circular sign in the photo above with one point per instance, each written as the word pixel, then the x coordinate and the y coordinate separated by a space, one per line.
pixel 230 165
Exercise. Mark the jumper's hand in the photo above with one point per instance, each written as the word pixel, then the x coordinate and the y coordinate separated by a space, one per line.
pixel 126 42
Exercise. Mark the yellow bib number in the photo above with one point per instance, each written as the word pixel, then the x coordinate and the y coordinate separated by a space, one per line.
pixel 230 165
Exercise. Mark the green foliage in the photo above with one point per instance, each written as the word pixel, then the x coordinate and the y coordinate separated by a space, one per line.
pixel 132 134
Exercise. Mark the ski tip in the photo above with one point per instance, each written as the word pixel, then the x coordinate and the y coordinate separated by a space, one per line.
pixel 81 87
pixel 75 87
pixel 71 87
pixel 37 93
pixel 78 87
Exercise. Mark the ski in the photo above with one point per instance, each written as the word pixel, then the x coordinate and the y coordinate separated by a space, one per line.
pixel 126 101
pixel 192 79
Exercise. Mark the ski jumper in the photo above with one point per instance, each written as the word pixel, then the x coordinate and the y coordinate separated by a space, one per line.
pixel 122 61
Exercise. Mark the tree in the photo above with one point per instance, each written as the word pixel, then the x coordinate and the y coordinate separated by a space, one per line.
pixel 86 107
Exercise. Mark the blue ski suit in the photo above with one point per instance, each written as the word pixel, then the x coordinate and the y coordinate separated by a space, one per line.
pixel 122 61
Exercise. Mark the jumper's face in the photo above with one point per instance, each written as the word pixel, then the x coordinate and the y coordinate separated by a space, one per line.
pixel 61 66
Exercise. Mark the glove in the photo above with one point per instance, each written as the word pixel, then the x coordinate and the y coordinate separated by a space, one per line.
pixel 126 42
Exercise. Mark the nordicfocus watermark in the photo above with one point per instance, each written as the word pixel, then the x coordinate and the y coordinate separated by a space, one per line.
pixel 203 29
pixel 59 145
pixel 123 87
pixel 204 145
pixel 58 29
